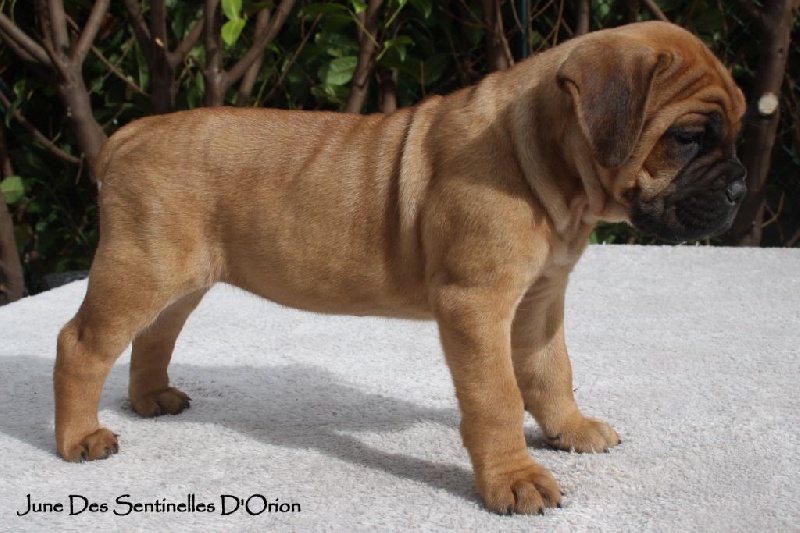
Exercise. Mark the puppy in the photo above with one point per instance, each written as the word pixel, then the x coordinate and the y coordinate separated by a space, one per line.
pixel 471 209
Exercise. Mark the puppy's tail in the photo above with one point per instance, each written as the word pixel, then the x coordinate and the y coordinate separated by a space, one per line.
pixel 113 144
pixel 101 164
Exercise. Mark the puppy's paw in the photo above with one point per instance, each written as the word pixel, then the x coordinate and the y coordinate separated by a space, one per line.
pixel 528 490
pixel 99 444
pixel 585 435
pixel 169 401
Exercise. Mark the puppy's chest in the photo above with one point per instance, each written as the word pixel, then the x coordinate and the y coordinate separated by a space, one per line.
pixel 564 253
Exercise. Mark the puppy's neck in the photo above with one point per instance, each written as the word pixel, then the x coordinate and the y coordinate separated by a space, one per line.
pixel 572 189
pixel 600 199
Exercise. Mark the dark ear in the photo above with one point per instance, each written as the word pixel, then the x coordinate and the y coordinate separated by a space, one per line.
pixel 609 80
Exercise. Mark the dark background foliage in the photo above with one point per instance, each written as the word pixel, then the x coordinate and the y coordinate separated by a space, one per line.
pixel 153 56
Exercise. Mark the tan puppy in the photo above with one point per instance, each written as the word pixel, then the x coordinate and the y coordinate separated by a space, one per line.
pixel 470 208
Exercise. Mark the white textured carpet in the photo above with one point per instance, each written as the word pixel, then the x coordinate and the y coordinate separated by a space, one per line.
pixel 691 353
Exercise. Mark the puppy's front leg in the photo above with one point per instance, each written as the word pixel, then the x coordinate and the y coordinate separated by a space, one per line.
pixel 475 328
pixel 544 372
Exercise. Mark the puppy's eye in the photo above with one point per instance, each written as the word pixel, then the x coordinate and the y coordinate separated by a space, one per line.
pixel 687 137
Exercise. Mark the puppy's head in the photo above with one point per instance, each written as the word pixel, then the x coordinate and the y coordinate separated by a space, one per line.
pixel 660 115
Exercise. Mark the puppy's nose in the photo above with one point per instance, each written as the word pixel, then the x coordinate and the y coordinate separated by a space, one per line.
pixel 736 191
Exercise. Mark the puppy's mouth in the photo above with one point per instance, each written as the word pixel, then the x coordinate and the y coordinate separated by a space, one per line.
pixel 690 212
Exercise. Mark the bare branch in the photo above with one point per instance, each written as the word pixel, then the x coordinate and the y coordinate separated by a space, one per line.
pixel 212 70
pixel 38 135
pixel 56 61
pixel 212 27
pixel 158 22
pixel 495 35
pixel 387 79
pixel 655 10
pixel 58 26
pixel 751 10
pixel 775 214
pixel 43 11
pixel 20 52
pixel 794 239
pixel 559 22
pixel 583 18
pixel 177 56
pixel 112 68
pixel 162 75
pixel 21 42
pixel 134 9
pixel 96 17
pixel 250 76
pixel 261 41
pixel 6 168
pixel 775 35
pixel 12 281
pixel 367 48
pixel 293 59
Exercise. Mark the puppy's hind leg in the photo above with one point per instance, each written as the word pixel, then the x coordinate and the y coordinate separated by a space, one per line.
pixel 121 300
pixel 149 390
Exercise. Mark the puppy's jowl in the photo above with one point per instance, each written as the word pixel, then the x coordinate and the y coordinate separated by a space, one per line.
pixel 470 209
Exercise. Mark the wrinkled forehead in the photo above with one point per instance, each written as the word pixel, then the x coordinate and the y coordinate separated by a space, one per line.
pixel 700 78
pixel 691 69
pixel 700 62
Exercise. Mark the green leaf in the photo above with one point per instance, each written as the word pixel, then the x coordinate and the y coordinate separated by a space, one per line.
pixel 35 207
pixel 195 92
pixel 400 44
pixel 336 44
pixel 22 93
pixel 232 9
pixel 312 10
pixel 231 31
pixel 603 9
pixel 13 189
pixel 21 238
pixel 358 6
pixel 97 86
pixel 434 67
pixel 424 7
pixel 142 70
pixel 332 94
pixel 257 7
pixel 339 71
pixel 397 6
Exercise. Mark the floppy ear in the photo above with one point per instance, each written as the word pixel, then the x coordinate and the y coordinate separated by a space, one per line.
pixel 609 81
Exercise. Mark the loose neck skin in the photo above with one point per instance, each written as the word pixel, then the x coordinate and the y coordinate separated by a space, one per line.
pixel 569 185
